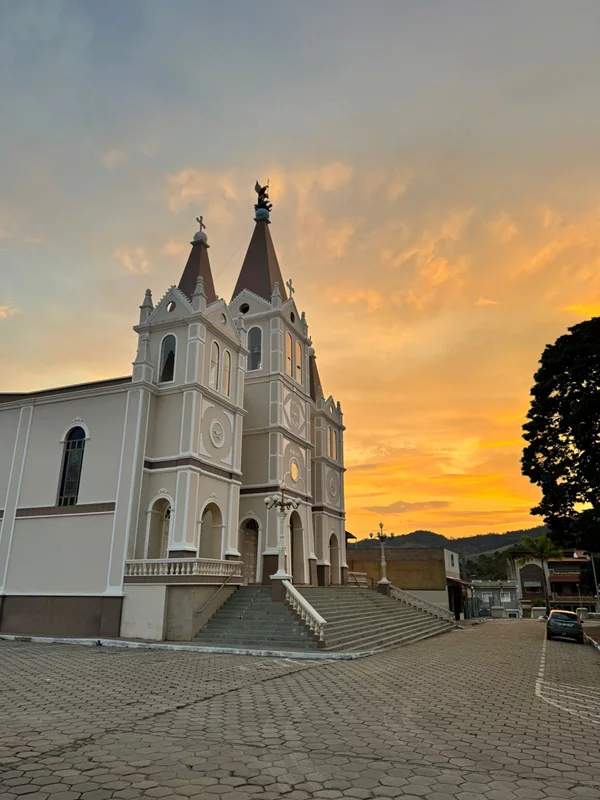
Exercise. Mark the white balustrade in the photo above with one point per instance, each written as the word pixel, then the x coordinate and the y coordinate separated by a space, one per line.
pixel 305 611
pixel 176 567
pixel 422 605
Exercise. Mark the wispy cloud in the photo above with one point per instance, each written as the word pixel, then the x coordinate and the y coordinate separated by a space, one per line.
pixel 114 158
pixel 8 310
pixel 133 260
pixel 485 301
pixel 402 506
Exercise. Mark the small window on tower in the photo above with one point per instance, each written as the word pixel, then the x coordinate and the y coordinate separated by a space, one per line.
pixel 298 362
pixel 226 376
pixel 288 354
pixel 213 378
pixel 167 359
pixel 255 348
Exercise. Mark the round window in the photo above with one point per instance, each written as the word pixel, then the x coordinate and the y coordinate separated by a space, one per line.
pixel 294 471
pixel 244 308
pixel 223 319
pixel 171 306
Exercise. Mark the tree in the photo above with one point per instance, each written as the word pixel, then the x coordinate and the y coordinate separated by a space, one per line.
pixel 487 568
pixel 541 550
pixel 562 455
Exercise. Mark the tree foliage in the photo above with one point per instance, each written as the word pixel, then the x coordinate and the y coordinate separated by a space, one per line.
pixel 487 568
pixel 543 550
pixel 562 454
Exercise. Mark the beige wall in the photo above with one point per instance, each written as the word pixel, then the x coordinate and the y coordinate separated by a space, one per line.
pixel 186 612
pixel 103 417
pixel 143 615
pixel 413 569
pixel 452 564
pixel 60 555
pixel 165 426
pixel 440 598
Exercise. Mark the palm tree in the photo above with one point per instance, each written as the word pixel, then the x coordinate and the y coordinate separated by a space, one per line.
pixel 543 550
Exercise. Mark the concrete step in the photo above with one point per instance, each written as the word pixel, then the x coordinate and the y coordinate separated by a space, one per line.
pixel 344 638
pixel 381 626
pixel 375 644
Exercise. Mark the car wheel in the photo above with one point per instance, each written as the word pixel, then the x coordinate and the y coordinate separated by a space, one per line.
pixel 548 636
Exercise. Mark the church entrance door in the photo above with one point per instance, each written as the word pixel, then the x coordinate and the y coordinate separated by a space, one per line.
pixel 249 550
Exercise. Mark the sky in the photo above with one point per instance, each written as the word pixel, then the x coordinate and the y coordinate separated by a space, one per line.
pixel 435 176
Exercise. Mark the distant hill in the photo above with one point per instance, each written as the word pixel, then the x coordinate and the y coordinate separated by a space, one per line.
pixel 467 546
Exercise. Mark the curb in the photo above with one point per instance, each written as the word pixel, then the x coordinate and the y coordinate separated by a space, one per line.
pixel 591 641
pixel 189 648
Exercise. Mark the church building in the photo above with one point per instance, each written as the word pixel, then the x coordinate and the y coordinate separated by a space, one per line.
pixel 134 506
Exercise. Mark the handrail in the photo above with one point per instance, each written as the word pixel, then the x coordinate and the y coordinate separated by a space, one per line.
pixel 309 615
pixel 225 582
pixel 169 567
pixel 422 605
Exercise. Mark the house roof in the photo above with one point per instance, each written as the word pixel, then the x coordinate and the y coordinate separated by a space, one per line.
pixel 77 387
pixel 260 270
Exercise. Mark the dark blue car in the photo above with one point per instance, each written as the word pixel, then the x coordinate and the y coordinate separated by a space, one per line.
pixel 564 624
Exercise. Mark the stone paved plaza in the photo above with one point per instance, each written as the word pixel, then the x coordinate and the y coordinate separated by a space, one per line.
pixel 487 712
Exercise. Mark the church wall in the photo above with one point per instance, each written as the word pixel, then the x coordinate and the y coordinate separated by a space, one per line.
pixel 103 418
pixel 256 403
pixel 9 423
pixel 60 554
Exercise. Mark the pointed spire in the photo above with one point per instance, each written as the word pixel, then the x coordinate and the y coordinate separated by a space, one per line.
pixel 147 306
pixel 199 297
pixel 316 390
pixel 260 270
pixel 276 296
pixel 198 265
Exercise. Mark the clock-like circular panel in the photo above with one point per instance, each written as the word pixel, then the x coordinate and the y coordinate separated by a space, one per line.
pixel 217 433
pixel 294 470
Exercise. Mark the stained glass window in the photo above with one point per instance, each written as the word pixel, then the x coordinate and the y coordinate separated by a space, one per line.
pixel 71 471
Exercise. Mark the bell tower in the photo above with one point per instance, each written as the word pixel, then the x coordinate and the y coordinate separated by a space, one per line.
pixel 277 445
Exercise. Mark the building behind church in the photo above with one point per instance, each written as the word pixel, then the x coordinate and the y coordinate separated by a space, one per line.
pixel 126 503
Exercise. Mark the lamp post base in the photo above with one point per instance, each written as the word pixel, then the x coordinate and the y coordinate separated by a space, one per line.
pixel 383 587
pixel 277 587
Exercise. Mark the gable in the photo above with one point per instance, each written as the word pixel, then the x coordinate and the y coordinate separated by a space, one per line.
pixel 219 315
pixel 173 307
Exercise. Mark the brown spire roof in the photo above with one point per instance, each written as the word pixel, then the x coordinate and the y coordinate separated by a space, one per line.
pixel 198 264
pixel 313 374
pixel 260 270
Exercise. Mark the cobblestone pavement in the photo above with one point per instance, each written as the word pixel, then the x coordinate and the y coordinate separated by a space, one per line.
pixel 488 712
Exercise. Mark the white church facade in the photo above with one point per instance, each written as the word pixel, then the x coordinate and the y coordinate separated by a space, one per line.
pixel 134 506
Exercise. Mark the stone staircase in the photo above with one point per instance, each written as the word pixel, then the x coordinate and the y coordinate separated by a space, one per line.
pixel 249 619
pixel 362 619
pixel 358 620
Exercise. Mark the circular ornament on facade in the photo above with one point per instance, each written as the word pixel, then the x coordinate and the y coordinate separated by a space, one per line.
pixel 294 470
pixel 333 485
pixel 217 433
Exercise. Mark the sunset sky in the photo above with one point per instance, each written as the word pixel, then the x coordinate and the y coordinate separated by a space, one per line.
pixel 435 175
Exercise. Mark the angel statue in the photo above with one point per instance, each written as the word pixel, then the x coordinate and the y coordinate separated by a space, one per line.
pixel 263 197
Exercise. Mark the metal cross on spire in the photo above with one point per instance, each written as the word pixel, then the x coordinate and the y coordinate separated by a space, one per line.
pixel 200 222
pixel 290 287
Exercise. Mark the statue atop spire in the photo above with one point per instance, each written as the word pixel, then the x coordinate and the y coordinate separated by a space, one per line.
pixel 263 206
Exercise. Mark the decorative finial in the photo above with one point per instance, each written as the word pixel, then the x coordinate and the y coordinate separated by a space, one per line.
pixel 262 207
pixel 290 287
pixel 200 236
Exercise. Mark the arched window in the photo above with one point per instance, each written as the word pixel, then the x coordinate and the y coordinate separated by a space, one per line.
pixel 288 354
pixel 71 469
pixel 298 362
pixel 226 374
pixel 167 359
pixel 213 379
pixel 255 348
pixel 334 444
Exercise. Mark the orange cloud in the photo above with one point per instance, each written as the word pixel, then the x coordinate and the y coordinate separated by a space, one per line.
pixel 8 310
pixel 134 260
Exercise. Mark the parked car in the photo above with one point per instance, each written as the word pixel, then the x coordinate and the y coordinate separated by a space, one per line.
pixel 564 624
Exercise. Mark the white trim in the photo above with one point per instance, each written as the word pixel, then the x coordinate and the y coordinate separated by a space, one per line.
pixel 158 368
pixel 53 516
pixel 114 528
pixel 71 427
pixel 19 484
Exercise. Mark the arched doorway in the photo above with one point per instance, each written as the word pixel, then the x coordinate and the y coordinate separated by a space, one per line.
pixel 297 548
pixel 334 560
pixel 160 525
pixel 211 532
pixel 248 547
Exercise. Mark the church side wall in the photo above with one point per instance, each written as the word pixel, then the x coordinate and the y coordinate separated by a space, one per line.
pixel 103 419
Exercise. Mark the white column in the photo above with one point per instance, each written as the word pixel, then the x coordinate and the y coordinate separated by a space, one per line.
pixel 11 502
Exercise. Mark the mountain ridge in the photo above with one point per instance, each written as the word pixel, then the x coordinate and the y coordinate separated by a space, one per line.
pixel 466 546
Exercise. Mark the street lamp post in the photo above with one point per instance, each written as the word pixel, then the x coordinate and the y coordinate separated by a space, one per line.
pixel 282 505
pixel 383 584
